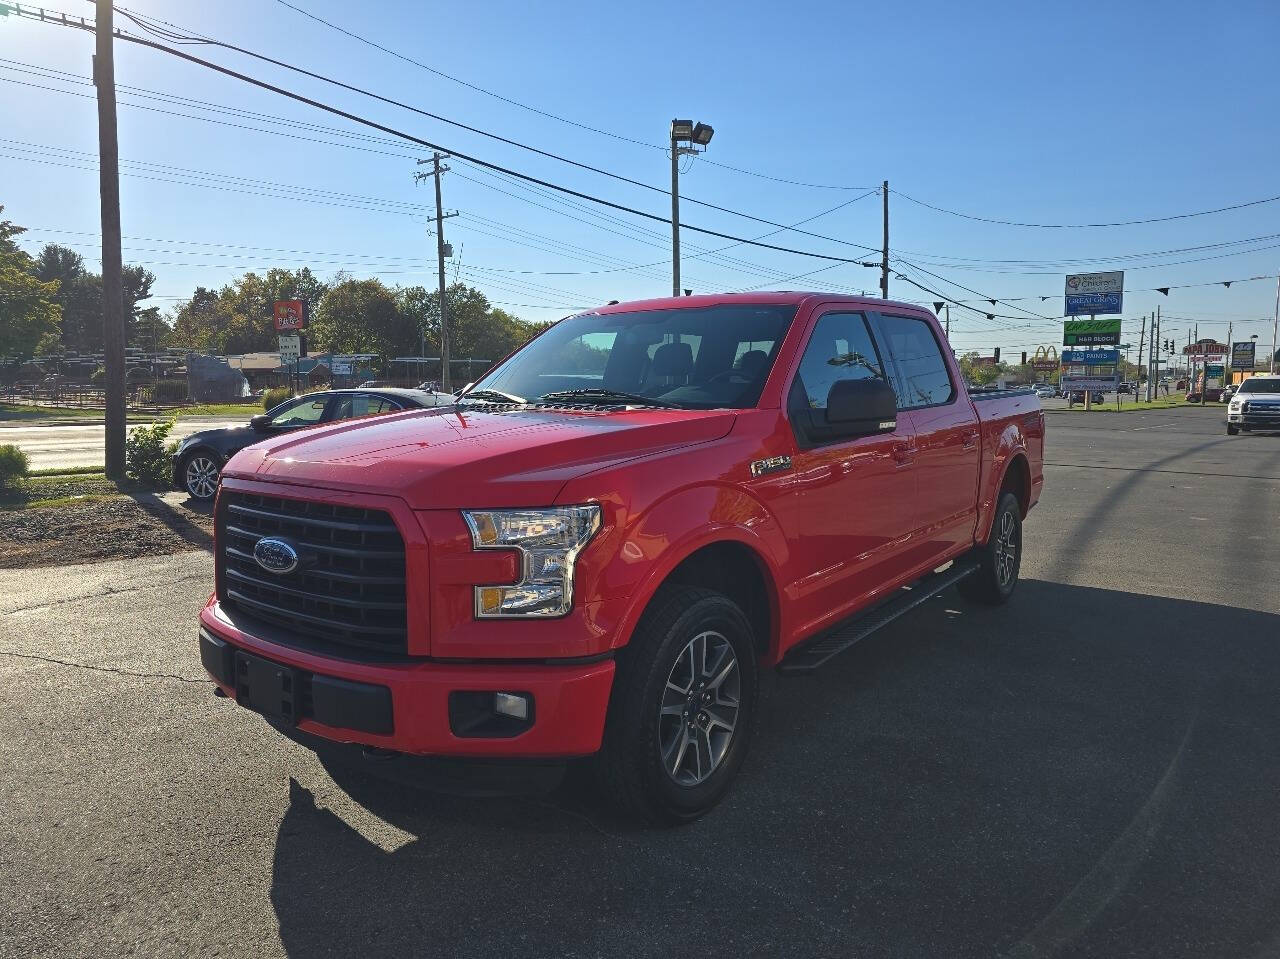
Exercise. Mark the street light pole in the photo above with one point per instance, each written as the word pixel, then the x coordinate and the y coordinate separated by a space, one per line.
pixel 675 212
pixel 686 139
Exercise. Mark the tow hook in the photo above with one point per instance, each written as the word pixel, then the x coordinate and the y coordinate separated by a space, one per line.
pixel 219 692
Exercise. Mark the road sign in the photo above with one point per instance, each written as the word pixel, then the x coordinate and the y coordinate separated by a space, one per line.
pixel 1242 355
pixel 1094 293
pixel 1093 332
pixel 1091 357
pixel 1094 384
pixel 290 348
pixel 289 315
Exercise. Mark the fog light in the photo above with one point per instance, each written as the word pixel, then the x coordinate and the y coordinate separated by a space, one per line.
pixel 514 705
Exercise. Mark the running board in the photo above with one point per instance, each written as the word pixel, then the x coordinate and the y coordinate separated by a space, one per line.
pixel 809 656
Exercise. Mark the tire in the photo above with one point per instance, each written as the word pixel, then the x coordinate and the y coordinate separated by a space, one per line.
pixel 200 471
pixel 1232 430
pixel 649 767
pixel 997 576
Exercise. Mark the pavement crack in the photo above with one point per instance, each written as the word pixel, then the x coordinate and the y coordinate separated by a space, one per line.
pixel 102 669
pixel 109 591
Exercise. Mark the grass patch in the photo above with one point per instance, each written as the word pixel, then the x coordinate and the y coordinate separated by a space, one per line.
pixel 63 488
pixel 219 409
pixel 21 411
pixel 67 471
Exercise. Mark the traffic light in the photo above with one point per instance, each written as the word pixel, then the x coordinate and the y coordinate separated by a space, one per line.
pixel 997 354
pixel 1024 357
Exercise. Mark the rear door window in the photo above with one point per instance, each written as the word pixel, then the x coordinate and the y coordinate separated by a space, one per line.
pixel 917 369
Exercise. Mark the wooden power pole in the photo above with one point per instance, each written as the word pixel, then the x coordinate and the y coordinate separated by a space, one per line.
pixel 438 168
pixel 884 250
pixel 104 78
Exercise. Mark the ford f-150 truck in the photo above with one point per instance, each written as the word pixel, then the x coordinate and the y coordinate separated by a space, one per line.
pixel 598 548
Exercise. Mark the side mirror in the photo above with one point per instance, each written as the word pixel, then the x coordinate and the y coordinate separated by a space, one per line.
pixel 261 423
pixel 861 408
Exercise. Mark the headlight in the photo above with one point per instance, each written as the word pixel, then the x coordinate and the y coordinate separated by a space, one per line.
pixel 1235 406
pixel 549 541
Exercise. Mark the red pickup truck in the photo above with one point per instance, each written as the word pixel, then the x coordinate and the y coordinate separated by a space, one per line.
pixel 599 547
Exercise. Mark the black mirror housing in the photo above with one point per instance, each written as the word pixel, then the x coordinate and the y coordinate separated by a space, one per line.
pixel 260 422
pixel 861 407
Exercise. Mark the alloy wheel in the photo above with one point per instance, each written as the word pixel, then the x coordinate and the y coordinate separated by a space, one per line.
pixel 202 477
pixel 1008 543
pixel 699 711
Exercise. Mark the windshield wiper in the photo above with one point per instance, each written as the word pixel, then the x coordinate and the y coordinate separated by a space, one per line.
pixel 595 393
pixel 493 396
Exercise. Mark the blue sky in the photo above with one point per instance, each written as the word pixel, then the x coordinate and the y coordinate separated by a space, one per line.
pixel 1048 113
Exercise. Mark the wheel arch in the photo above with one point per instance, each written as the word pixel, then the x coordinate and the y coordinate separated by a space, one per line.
pixel 728 562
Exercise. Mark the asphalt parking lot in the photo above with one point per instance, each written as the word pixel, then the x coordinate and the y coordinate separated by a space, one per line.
pixel 1091 770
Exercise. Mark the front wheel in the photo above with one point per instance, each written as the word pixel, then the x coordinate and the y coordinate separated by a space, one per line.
pixel 1000 558
pixel 1232 430
pixel 200 475
pixel 682 709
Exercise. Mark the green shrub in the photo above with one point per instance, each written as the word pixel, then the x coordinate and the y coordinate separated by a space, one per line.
pixel 146 457
pixel 273 398
pixel 13 465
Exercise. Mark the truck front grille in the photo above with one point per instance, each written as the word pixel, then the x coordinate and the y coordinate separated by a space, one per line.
pixel 349 586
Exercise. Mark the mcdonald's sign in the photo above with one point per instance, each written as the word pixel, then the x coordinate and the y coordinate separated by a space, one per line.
pixel 1045 359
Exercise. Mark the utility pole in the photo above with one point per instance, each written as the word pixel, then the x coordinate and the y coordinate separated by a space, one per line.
pixel 884 250
pixel 104 78
pixel 948 322
pixel 438 168
pixel 1142 341
pixel 1275 322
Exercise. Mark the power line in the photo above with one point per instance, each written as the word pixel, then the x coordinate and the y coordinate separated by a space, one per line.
pixel 546 113
pixel 1086 226
pixel 435 116
pixel 456 153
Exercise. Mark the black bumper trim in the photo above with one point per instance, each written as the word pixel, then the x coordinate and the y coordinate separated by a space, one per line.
pixel 340 703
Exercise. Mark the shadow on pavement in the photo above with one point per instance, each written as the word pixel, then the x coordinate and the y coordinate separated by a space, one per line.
pixel 177 518
pixel 1080 773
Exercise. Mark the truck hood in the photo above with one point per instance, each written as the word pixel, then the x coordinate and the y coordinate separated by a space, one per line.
pixel 458 459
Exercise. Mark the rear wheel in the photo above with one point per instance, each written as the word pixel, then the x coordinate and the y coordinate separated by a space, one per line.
pixel 200 475
pixel 682 709
pixel 1000 558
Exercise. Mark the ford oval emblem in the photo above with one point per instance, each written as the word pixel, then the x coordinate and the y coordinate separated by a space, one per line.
pixel 275 555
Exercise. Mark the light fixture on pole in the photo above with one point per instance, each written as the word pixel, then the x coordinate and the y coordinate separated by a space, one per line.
pixel 687 139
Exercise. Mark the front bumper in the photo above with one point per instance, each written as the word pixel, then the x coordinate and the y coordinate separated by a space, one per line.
pixel 409 698
pixel 1256 419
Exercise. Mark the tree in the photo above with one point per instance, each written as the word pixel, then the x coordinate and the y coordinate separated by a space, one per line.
pixel 30 317
pixel 980 373
pixel 237 318
pixel 80 297
pixel 363 316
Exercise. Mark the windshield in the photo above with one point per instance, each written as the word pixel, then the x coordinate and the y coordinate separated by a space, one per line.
pixel 697 358
pixel 1256 384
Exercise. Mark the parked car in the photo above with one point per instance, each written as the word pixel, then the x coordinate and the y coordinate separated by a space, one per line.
pixel 1045 391
pixel 1256 406
pixel 1077 396
pixel 600 547
pixel 1229 391
pixel 198 461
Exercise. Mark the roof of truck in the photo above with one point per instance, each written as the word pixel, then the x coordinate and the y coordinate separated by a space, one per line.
pixel 776 298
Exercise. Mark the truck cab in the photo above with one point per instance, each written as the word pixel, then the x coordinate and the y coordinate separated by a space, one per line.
pixel 598 548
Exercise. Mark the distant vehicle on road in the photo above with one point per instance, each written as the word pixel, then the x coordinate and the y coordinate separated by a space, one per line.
pixel 198 461
pixel 1256 406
